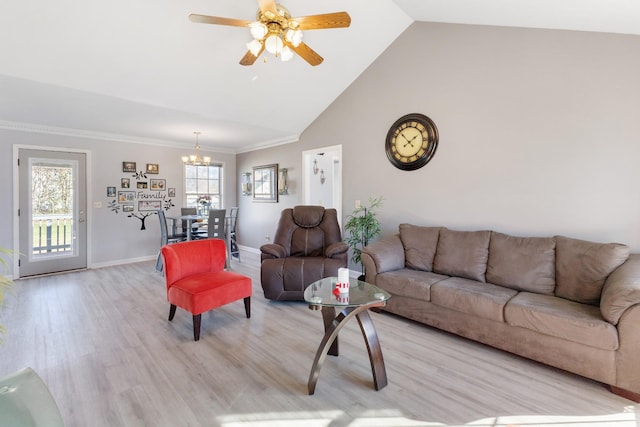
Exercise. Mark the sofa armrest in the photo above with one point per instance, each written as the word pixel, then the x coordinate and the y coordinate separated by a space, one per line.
pixel 335 249
pixel 384 255
pixel 272 250
pixel 621 290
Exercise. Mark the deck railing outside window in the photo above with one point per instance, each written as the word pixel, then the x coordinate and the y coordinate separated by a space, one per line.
pixel 52 234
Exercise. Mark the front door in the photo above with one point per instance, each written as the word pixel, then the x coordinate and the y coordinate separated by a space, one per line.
pixel 52 211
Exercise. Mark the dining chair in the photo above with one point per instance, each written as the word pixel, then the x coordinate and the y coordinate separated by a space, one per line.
pixel 233 243
pixel 166 237
pixel 185 224
pixel 214 228
pixel 216 224
pixel 197 281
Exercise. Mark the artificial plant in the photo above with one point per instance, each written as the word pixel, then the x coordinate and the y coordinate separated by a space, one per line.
pixel 362 226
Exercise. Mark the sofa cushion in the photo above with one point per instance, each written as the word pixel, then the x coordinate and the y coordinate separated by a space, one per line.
pixel 419 245
pixel 522 263
pixel 582 267
pixel 409 283
pixel 558 317
pixel 471 297
pixel 462 254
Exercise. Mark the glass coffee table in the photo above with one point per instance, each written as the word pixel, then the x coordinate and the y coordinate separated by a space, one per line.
pixel 361 297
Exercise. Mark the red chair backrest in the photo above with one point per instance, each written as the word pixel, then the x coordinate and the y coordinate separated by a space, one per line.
pixel 196 256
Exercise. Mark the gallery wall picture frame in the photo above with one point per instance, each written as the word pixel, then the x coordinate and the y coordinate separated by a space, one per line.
pixel 149 205
pixel 128 166
pixel 111 191
pixel 265 183
pixel 126 196
pixel 127 207
pixel 171 192
pixel 125 183
pixel 158 184
pixel 142 185
pixel 153 168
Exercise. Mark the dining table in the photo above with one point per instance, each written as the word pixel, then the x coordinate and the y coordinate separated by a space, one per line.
pixel 191 220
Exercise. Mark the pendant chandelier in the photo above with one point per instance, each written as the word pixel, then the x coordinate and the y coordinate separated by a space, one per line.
pixel 196 159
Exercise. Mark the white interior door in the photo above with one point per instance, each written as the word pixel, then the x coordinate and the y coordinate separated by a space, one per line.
pixel 322 177
pixel 52 211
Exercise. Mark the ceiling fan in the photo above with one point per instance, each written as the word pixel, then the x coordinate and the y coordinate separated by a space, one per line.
pixel 276 31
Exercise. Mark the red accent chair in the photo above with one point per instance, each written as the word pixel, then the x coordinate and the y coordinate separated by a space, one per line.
pixel 197 281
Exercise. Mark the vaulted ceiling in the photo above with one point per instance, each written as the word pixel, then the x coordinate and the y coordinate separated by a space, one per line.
pixel 140 70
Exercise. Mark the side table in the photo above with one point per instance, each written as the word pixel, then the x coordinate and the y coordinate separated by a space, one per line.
pixel 361 297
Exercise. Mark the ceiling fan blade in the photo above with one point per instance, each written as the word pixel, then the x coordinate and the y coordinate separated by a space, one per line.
pixel 268 5
pixel 204 19
pixel 306 53
pixel 327 20
pixel 249 58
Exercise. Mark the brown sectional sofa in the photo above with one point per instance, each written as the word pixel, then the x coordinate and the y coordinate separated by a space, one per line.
pixel 565 302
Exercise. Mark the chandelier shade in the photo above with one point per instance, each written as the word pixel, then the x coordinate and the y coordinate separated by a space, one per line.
pixel 196 159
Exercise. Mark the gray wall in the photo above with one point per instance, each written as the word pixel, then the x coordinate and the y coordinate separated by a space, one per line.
pixel 115 238
pixel 539 134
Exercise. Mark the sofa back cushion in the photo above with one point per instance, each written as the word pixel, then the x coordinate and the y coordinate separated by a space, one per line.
pixel 582 267
pixel 462 254
pixel 420 245
pixel 522 263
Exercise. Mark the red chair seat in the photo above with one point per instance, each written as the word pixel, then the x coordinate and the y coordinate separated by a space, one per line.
pixel 206 291
pixel 197 282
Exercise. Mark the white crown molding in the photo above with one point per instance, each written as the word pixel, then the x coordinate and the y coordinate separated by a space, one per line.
pixel 269 144
pixel 104 136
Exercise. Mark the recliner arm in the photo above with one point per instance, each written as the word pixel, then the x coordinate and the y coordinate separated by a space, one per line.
pixel 337 248
pixel 274 250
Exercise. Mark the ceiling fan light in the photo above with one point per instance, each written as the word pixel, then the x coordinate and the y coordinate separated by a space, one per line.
pixel 206 159
pixel 258 30
pixel 294 37
pixel 286 54
pixel 254 46
pixel 273 44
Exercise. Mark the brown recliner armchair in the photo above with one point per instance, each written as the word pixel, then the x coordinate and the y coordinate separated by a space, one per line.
pixel 307 247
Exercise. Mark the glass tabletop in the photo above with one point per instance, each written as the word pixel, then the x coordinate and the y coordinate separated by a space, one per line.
pixel 321 293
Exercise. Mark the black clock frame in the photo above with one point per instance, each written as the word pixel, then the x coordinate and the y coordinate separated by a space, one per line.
pixel 432 131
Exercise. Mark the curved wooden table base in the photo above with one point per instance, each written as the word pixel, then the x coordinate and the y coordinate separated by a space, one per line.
pixel 329 343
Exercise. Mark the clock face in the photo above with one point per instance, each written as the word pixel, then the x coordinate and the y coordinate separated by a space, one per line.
pixel 411 141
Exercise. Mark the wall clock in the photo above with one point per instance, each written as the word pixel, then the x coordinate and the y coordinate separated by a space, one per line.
pixel 411 141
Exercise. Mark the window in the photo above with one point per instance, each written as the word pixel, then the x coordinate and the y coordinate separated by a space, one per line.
pixel 203 186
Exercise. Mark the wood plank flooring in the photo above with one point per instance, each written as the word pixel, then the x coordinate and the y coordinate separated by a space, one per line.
pixel 101 341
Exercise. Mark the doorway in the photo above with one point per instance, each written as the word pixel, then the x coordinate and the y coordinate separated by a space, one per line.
pixel 52 211
pixel 322 177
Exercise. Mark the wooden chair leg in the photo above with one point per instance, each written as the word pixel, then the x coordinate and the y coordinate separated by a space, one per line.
pixel 247 307
pixel 172 312
pixel 197 319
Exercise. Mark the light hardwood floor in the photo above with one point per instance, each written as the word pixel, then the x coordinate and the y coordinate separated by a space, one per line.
pixel 101 341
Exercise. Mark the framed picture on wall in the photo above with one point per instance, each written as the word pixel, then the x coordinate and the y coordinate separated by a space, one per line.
pixel 153 168
pixel 265 183
pixel 111 191
pixel 125 183
pixel 158 184
pixel 128 166
pixel 127 207
pixel 149 205
pixel 126 196
pixel 142 185
pixel 171 192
